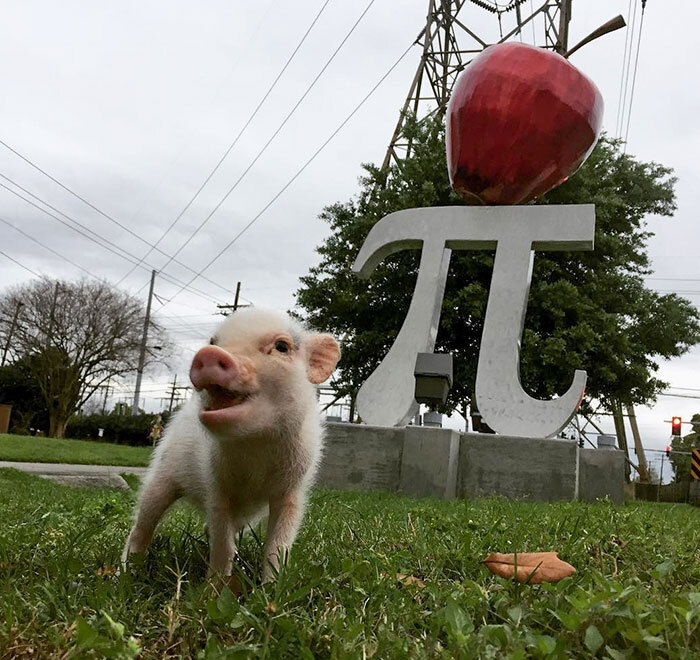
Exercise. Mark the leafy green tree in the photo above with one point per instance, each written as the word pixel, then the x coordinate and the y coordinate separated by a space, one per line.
pixel 587 310
pixel 75 336
pixel 680 462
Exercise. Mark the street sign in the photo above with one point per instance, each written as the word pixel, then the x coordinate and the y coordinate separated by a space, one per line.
pixel 695 464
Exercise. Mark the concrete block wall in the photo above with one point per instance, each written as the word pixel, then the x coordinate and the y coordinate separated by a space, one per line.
pixel 422 461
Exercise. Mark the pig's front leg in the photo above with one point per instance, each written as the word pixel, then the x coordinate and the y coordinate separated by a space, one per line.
pixel 222 539
pixel 157 496
pixel 285 517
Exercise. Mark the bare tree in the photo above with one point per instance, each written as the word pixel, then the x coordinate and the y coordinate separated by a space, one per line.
pixel 76 336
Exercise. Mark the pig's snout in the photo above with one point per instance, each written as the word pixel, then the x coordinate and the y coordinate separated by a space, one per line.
pixel 212 366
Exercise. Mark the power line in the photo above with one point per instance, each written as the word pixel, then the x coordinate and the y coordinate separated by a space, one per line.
pixel 674 279
pixel 95 237
pixel 156 390
pixel 187 316
pixel 233 144
pixel 183 319
pixel 274 135
pixel 46 247
pixel 680 396
pixel 243 48
pixel 193 308
pixel 622 73
pixel 300 170
pixel 92 206
pixel 33 272
pixel 86 229
pixel 618 131
pixel 181 326
pixel 72 263
pixel 634 77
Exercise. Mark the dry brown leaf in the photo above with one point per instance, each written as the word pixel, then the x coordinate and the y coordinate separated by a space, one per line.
pixel 543 566
pixel 106 570
pixel 410 580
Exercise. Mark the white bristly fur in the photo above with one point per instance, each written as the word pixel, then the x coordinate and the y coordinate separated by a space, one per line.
pixel 264 464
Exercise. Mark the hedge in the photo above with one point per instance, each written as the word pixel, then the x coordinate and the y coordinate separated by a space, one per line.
pixel 120 429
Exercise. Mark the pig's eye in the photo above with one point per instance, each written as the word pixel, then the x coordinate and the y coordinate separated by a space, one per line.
pixel 212 341
pixel 282 346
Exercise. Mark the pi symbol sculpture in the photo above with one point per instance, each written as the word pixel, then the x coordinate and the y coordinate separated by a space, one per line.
pixel 387 397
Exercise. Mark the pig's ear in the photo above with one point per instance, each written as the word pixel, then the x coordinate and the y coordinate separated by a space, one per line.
pixel 323 354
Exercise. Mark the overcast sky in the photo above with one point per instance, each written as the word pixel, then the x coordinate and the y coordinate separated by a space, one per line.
pixel 131 105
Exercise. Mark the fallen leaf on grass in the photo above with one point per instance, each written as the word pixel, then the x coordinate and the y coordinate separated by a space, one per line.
pixel 106 570
pixel 537 566
pixel 410 580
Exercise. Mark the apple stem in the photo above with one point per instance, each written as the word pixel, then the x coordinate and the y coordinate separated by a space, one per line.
pixel 612 25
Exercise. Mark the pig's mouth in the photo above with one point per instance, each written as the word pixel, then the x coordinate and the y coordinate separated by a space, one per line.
pixel 222 406
pixel 220 398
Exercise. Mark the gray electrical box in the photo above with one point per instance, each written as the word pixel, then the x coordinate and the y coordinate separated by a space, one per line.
pixel 433 375
pixel 606 441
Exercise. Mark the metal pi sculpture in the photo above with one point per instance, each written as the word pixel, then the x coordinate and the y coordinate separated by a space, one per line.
pixel 521 120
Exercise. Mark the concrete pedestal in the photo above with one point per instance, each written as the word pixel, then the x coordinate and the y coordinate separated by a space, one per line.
pixel 601 474
pixel 422 462
pixel 361 457
pixel 527 468
pixel 429 462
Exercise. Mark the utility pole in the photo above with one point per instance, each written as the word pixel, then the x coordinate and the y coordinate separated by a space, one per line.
pixel 173 391
pixel 235 305
pixel 142 353
pixel 104 401
pixel 638 448
pixel 13 325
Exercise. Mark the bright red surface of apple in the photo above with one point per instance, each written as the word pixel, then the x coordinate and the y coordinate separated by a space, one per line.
pixel 520 121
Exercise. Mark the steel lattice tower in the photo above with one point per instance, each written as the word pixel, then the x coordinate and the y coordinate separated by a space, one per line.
pixel 449 44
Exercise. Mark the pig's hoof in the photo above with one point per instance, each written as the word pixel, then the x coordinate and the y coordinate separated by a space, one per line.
pixel 131 560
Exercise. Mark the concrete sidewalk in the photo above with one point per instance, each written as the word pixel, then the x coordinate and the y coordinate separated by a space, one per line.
pixel 78 475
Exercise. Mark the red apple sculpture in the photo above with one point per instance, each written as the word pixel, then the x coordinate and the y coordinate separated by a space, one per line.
pixel 521 120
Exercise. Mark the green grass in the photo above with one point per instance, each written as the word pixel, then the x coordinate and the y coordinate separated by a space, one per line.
pixel 636 593
pixel 52 450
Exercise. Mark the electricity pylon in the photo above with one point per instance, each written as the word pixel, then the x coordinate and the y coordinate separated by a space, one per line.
pixel 450 41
